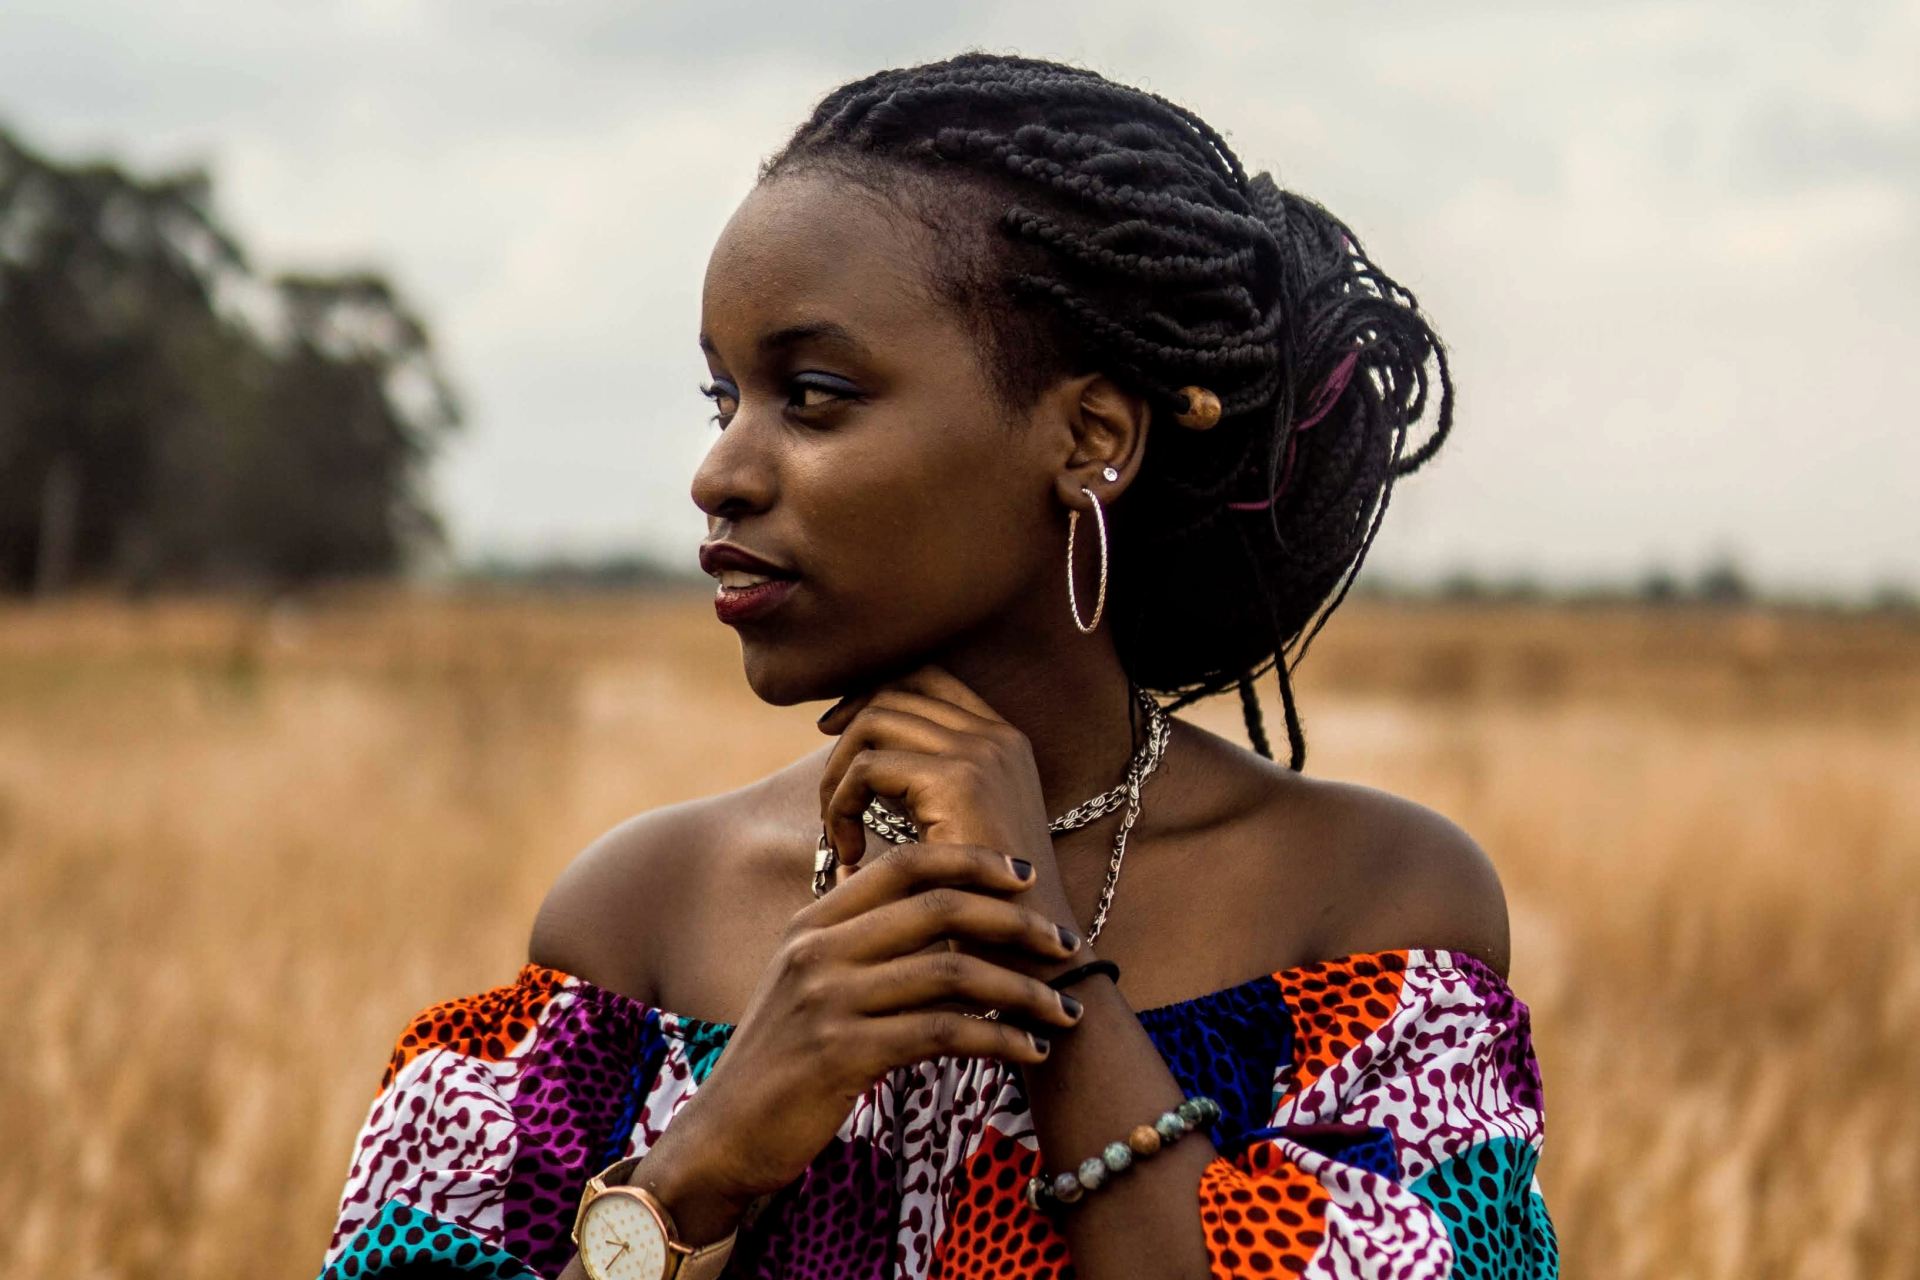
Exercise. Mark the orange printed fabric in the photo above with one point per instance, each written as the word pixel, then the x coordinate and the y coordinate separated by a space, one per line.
pixel 488 1025
pixel 1405 1132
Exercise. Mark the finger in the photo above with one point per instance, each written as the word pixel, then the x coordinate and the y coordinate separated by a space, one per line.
pixel 902 776
pixel 875 728
pixel 915 981
pixel 835 717
pixel 911 868
pixel 939 710
pixel 894 718
pixel 937 682
pixel 928 681
pixel 906 1038
pixel 944 912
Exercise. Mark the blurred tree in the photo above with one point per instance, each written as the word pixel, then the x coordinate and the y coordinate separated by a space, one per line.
pixel 1722 582
pixel 1659 586
pixel 167 416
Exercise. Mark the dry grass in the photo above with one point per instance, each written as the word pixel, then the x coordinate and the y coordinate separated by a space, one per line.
pixel 237 847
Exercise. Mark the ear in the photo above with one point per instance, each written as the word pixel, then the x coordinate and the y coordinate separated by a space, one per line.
pixel 1107 427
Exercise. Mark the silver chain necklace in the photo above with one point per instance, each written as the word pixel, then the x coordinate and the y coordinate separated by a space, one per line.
pixel 897 829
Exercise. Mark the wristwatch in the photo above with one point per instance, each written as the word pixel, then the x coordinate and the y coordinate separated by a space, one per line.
pixel 624 1233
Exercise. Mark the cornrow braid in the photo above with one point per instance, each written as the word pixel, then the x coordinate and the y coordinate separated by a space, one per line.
pixel 1088 225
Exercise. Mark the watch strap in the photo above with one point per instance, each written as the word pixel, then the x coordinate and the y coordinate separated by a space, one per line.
pixel 708 1261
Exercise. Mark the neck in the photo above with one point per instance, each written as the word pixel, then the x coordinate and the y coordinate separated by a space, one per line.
pixel 1068 694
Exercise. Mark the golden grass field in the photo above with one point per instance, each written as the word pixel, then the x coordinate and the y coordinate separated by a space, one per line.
pixel 239 846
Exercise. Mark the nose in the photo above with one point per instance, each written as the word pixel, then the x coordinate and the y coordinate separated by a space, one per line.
pixel 737 475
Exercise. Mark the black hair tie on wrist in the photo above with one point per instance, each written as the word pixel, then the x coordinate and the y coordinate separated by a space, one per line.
pixel 1071 976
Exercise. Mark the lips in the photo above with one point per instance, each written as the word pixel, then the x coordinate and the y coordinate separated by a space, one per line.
pixel 744 604
pixel 751 585
pixel 735 566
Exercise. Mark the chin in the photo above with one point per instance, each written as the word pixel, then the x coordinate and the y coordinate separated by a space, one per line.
pixel 783 677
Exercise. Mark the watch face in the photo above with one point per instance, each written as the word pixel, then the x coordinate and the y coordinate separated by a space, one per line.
pixel 623 1240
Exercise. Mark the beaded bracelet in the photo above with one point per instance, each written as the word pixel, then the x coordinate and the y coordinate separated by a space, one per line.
pixel 1145 1140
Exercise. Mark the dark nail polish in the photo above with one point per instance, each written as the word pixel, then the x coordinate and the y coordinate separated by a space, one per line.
pixel 1071 1005
pixel 1022 869
pixel 1068 938
pixel 1040 1042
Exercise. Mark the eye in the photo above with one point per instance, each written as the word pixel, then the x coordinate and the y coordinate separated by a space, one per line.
pixel 828 389
pixel 804 394
pixel 725 399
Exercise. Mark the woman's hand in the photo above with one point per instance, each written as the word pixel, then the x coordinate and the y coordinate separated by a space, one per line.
pixel 933 748
pixel 849 996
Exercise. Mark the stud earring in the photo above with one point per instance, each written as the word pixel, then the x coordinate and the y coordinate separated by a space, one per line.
pixel 1109 474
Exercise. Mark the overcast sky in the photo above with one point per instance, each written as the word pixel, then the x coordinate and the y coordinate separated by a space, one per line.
pixel 1673 248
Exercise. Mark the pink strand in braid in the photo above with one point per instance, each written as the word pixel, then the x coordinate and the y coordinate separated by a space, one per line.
pixel 1323 402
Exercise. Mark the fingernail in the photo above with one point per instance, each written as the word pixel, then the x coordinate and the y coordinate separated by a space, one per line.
pixel 1071 1005
pixel 1022 869
pixel 1040 1043
pixel 1068 938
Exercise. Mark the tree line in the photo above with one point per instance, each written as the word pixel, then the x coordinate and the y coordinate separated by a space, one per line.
pixel 171 416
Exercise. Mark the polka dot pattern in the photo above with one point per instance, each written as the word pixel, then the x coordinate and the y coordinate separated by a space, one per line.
pixel 490 1025
pixel 495 1109
pixel 564 1097
pixel 1335 1006
pixel 1453 1068
pixel 1494 1220
pixel 1380 1116
pixel 404 1241
pixel 992 1232
pixel 1225 1045
pixel 1261 1215
pixel 836 1220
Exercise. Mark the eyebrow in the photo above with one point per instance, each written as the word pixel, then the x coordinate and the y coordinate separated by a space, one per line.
pixel 795 334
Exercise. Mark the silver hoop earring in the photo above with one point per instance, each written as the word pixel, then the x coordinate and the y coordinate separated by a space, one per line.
pixel 1100 601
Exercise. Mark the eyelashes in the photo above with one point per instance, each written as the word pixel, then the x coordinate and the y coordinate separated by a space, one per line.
pixel 716 393
pixel 835 391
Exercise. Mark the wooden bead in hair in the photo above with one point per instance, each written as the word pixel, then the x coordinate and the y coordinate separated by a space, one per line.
pixel 1202 411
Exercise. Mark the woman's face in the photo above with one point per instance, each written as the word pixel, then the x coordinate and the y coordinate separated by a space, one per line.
pixel 860 447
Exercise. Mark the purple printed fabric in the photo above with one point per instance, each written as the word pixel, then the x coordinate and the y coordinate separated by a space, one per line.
pixel 1381 1115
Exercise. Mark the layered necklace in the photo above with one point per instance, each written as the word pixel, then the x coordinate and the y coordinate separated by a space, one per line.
pixel 898 829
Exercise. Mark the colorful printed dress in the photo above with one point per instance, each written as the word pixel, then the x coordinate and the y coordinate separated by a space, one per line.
pixel 1381 1117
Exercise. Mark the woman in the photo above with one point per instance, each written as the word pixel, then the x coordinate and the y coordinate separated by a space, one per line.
pixel 867 1016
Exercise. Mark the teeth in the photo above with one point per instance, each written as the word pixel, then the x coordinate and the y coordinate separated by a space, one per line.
pixel 741 578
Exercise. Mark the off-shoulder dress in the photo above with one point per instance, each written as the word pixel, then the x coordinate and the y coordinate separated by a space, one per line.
pixel 1381 1117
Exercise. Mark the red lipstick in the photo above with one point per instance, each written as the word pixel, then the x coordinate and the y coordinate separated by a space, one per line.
pixel 744 602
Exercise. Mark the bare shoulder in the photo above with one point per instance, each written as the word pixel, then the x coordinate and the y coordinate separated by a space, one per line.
pixel 1403 875
pixel 602 918
pixel 1334 868
pixel 669 890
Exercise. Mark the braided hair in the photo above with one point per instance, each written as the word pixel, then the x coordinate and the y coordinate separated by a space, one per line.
pixel 1087 225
